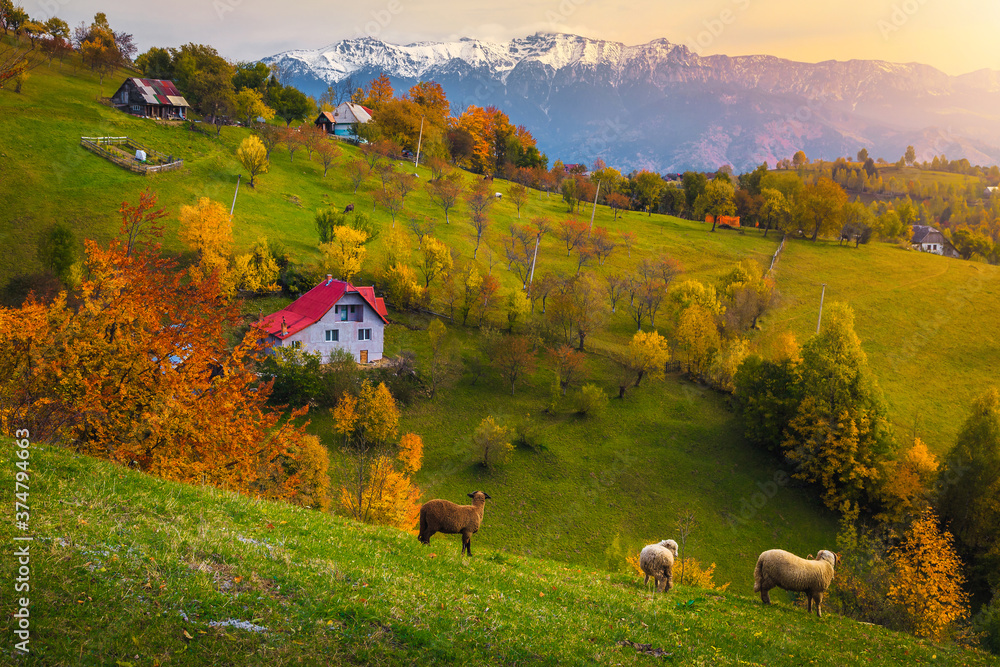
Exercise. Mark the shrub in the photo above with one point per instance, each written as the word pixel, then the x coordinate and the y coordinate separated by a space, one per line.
pixel 526 434
pixel 987 625
pixel 493 442
pixel 687 571
pixel 592 401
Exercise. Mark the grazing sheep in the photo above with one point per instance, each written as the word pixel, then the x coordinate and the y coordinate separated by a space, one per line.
pixel 788 571
pixel 657 561
pixel 349 208
pixel 444 516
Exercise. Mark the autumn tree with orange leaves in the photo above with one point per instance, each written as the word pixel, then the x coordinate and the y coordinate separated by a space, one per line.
pixel 927 579
pixel 377 486
pixel 134 367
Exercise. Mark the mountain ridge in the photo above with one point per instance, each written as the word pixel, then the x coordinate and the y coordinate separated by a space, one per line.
pixel 667 103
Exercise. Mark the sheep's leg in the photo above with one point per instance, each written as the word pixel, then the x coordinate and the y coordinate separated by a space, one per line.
pixel 646 581
pixel 662 585
pixel 467 544
pixel 819 601
pixel 764 597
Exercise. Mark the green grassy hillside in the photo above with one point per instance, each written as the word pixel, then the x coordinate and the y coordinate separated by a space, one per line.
pixel 131 570
pixel 930 325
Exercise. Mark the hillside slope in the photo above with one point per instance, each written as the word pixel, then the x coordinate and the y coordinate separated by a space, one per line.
pixel 131 570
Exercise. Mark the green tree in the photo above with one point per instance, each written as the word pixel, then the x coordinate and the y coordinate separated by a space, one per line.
pixel 326 221
pixel 693 183
pixel 289 104
pixel 970 492
pixel 767 396
pixel 716 200
pixel 57 251
pixel 775 211
pixel 910 156
pixel 155 64
pixel 647 187
pixel 493 442
pixel 840 434
pixel 820 207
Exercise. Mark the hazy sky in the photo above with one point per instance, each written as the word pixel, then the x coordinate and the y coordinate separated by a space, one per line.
pixel 956 36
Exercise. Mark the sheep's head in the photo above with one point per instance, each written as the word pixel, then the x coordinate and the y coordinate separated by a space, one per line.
pixel 671 545
pixel 476 495
pixel 830 557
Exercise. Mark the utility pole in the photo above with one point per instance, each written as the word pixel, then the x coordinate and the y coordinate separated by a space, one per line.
pixel 594 210
pixel 419 140
pixel 233 207
pixel 538 239
pixel 820 318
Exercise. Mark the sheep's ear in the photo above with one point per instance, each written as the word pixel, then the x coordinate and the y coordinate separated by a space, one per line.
pixel 487 496
pixel 471 495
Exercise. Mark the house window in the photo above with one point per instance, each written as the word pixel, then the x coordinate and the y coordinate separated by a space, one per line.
pixel 332 335
pixel 364 334
pixel 343 312
pixel 296 344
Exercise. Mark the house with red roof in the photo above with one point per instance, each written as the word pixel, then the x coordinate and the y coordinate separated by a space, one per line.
pixel 334 315
pixel 156 98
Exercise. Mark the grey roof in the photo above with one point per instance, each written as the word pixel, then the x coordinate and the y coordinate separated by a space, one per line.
pixel 921 232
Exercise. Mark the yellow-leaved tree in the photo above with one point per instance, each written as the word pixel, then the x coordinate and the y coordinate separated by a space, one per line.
pixel 377 486
pixel 250 107
pixel 435 259
pixel 906 482
pixel 345 253
pixel 698 337
pixel 927 579
pixel 208 230
pixel 257 271
pixel 253 156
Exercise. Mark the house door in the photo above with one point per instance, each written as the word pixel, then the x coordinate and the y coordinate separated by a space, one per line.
pixel 364 356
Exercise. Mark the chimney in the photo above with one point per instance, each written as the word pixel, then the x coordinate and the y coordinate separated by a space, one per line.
pixel 284 326
pixel 329 278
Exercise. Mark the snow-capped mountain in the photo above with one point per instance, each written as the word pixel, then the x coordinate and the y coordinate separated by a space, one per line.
pixel 661 106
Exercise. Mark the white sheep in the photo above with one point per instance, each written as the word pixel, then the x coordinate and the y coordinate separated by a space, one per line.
pixel 444 516
pixel 785 570
pixel 657 561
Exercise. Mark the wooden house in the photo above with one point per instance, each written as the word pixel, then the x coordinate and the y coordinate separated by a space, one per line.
pixel 929 239
pixel 151 98
pixel 343 120
pixel 333 315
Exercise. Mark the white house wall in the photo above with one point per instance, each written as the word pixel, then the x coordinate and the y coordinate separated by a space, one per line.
pixel 313 338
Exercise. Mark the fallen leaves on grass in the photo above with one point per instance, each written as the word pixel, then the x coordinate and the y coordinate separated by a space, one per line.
pixel 646 649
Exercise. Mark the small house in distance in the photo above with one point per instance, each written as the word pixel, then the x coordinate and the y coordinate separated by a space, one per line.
pixel 929 239
pixel 342 121
pixel 334 315
pixel 155 98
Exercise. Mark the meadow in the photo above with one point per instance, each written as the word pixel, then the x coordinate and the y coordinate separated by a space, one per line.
pixel 131 570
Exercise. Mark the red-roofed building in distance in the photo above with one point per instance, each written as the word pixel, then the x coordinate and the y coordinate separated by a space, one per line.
pixel 334 315
pixel 154 98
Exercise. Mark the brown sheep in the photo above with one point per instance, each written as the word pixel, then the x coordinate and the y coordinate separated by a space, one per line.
pixel 444 516
pixel 788 571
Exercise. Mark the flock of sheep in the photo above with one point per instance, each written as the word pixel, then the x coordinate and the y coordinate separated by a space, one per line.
pixel 775 567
